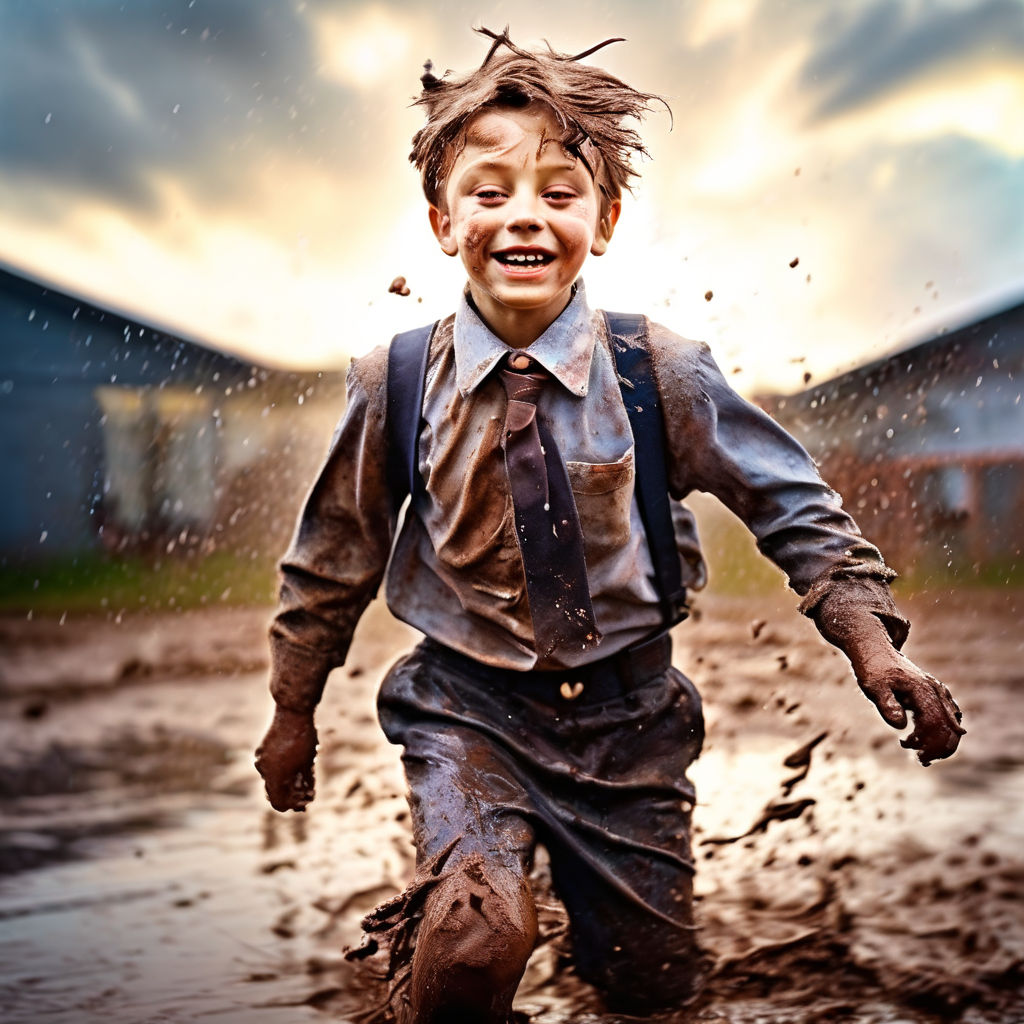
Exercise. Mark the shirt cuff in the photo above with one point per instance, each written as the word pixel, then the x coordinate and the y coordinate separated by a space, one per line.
pixel 845 592
pixel 298 675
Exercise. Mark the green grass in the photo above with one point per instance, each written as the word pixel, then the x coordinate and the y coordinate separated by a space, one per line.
pixel 97 582
pixel 926 575
pixel 735 566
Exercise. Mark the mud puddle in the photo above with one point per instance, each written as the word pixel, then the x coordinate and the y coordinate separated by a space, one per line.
pixel 146 880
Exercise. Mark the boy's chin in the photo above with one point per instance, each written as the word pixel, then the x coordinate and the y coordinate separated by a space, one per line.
pixel 523 296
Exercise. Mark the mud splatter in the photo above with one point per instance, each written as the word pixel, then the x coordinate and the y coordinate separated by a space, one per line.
pixel 801 759
pixel 784 810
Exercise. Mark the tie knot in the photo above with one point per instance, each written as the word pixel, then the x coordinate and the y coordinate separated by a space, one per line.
pixel 523 377
pixel 520 362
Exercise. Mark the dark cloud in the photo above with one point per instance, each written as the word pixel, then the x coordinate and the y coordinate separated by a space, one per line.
pixel 96 97
pixel 864 53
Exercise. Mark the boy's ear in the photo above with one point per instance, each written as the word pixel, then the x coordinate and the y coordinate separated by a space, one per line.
pixel 441 224
pixel 606 227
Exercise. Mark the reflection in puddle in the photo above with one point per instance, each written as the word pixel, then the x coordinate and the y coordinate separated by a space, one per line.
pixel 56 802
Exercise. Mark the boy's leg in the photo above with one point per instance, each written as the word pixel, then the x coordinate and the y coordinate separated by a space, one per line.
pixel 639 949
pixel 479 923
pixel 474 851
pixel 628 889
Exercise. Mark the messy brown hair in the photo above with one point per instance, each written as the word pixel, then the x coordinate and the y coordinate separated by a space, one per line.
pixel 590 104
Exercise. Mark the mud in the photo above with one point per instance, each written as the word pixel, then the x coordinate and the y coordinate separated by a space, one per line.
pixel 146 880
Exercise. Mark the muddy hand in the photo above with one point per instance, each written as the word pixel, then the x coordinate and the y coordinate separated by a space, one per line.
pixel 896 686
pixel 285 760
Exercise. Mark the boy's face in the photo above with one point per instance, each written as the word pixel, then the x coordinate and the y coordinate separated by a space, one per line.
pixel 523 215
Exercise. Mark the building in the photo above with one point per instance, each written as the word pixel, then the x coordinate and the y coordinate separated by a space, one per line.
pixel 927 447
pixel 116 435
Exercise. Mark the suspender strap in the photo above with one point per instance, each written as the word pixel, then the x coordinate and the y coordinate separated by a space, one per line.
pixel 407 370
pixel 628 334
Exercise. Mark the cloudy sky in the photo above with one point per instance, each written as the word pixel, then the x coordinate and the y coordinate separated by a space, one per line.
pixel 236 169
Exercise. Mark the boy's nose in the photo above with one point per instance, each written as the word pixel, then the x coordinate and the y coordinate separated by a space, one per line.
pixel 523 216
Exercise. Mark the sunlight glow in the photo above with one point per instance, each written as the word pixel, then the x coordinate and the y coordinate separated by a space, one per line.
pixel 363 48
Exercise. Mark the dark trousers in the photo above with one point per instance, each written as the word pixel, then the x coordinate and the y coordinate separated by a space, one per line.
pixel 497 761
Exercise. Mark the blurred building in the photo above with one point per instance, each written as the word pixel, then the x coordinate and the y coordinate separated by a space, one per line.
pixel 927 447
pixel 116 434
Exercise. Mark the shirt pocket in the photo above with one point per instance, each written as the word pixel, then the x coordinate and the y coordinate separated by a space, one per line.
pixel 604 496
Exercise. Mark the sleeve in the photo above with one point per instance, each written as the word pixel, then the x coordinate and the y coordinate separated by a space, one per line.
pixel 720 443
pixel 338 555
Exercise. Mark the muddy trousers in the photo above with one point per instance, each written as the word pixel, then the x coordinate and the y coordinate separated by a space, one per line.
pixel 497 761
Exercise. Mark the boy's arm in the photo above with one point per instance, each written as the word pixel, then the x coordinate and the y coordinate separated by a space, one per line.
pixel 724 445
pixel 328 576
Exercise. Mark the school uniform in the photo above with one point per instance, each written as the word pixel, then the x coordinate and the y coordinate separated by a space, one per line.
pixel 584 749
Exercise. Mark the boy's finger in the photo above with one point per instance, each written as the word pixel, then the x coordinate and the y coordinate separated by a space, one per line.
pixel 892 712
pixel 939 713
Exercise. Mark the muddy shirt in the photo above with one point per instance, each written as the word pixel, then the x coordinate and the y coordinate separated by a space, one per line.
pixel 456 573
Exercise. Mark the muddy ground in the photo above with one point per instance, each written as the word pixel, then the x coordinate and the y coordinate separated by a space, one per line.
pixel 144 879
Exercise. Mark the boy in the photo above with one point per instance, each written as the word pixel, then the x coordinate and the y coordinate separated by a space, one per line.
pixel 542 705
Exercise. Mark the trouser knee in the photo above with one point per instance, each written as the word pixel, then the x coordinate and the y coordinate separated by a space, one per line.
pixel 478 929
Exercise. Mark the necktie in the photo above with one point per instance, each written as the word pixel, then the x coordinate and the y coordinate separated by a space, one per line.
pixel 547 524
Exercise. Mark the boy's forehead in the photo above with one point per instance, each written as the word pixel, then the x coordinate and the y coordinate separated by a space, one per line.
pixel 501 130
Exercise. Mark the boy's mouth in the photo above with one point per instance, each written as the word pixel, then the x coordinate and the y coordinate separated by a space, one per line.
pixel 524 258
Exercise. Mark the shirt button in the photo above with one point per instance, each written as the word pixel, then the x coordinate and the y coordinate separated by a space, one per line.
pixel 520 362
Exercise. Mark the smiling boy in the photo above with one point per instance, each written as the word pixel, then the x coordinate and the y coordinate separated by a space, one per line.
pixel 543 707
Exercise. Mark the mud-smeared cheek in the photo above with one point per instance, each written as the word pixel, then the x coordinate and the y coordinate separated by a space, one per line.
pixel 474 248
pixel 474 240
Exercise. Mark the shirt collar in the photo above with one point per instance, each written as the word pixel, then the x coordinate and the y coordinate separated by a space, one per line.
pixel 565 349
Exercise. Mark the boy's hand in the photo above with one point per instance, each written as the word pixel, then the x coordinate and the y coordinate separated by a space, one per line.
pixel 895 685
pixel 285 760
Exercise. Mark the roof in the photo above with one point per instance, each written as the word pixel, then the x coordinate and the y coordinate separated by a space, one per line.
pixel 941 346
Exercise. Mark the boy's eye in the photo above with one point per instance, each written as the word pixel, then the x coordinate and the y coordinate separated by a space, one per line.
pixel 489 195
pixel 558 195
